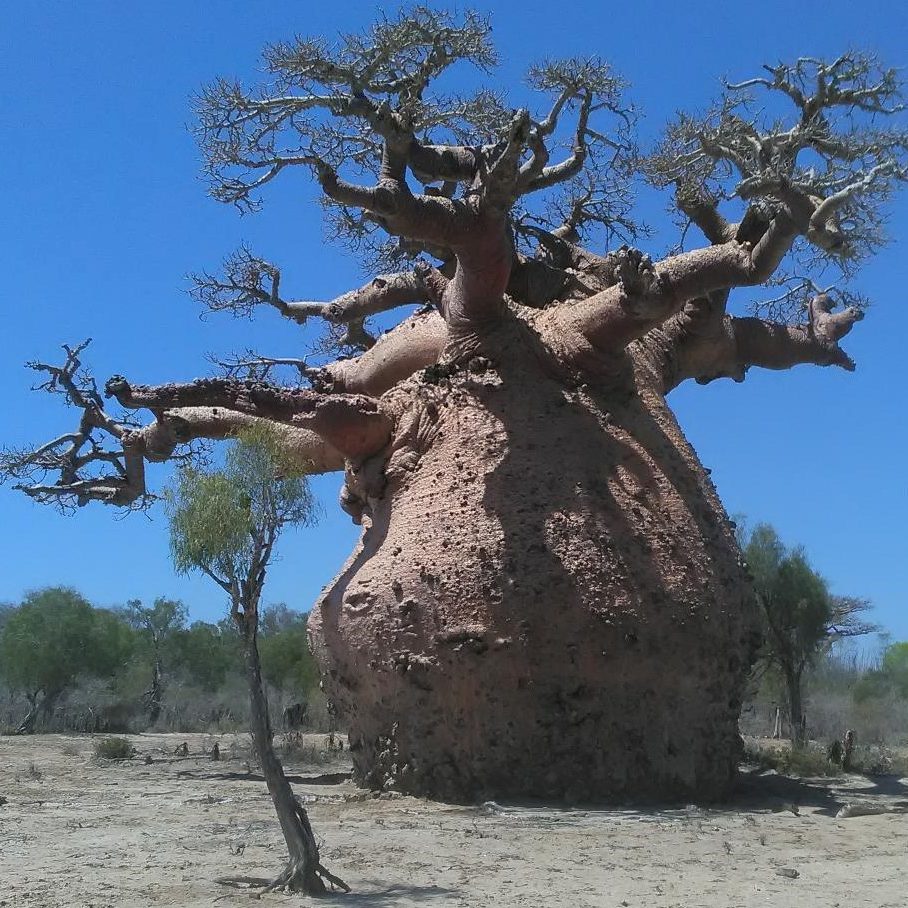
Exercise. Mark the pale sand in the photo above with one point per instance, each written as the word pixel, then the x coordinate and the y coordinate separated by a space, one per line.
pixel 130 834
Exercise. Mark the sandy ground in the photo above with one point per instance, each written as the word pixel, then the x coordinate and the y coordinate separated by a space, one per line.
pixel 78 832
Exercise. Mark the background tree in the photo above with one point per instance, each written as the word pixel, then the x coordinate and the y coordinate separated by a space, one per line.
pixel 889 677
pixel 158 625
pixel 801 618
pixel 52 639
pixel 206 654
pixel 286 660
pixel 509 445
pixel 225 524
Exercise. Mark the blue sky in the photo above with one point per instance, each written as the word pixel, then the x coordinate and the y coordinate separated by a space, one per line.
pixel 105 213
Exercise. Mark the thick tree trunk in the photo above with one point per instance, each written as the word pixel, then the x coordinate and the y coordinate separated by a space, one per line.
pixel 547 599
pixel 304 873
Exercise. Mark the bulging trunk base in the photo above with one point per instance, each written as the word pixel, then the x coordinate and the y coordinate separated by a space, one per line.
pixel 548 602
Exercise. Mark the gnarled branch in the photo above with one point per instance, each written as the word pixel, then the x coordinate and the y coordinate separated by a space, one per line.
pixel 683 352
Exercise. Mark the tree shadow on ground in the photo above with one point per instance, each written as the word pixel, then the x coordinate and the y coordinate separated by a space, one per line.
pixel 327 778
pixel 383 895
pixel 378 895
pixel 754 791
pixel 828 794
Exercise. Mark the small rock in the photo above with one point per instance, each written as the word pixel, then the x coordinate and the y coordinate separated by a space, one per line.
pixel 862 810
pixel 788 872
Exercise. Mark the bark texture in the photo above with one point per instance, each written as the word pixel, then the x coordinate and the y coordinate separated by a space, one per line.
pixel 547 599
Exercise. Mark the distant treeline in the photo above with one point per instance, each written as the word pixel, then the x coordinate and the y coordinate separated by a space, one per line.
pixel 67 665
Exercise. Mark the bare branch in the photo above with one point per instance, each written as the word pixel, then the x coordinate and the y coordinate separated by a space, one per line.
pixel 103 459
pixel 249 281
pixel 647 294
pixel 353 424
pixel 830 166
pixel 413 345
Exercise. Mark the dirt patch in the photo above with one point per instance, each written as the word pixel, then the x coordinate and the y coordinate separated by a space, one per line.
pixel 78 832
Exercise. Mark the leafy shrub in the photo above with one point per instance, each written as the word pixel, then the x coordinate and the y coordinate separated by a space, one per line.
pixel 114 749
pixel 876 760
pixel 797 761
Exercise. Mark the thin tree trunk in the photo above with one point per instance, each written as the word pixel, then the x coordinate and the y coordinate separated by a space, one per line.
pixel 304 873
pixel 795 709
pixel 27 725
pixel 155 695
pixel 48 704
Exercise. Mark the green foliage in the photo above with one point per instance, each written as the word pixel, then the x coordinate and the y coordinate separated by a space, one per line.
pixel 795 601
pixel 891 678
pixel 158 621
pixel 114 749
pixel 284 649
pixel 116 642
pixel 279 617
pixel 205 654
pixel 221 522
pixel 54 637
pixel 895 667
pixel 210 522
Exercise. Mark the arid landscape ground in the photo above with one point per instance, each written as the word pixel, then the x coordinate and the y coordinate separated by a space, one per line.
pixel 77 831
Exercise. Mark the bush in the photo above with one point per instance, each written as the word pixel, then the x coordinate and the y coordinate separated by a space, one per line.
pixel 876 760
pixel 788 761
pixel 114 749
pixel 296 748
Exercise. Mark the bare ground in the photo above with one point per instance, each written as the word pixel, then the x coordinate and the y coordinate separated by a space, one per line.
pixel 75 831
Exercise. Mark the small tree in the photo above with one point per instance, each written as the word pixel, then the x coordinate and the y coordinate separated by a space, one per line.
pixel 895 667
pixel 157 625
pixel 800 616
pixel 889 678
pixel 50 640
pixel 226 524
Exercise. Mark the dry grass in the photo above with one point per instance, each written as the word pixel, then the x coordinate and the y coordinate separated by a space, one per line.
pixel 812 760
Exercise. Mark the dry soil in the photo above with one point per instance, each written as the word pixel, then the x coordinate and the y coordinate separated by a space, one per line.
pixel 76 831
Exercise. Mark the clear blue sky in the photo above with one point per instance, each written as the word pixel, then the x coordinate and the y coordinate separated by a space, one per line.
pixel 104 213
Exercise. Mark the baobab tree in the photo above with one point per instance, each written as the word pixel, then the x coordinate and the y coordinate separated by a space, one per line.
pixel 547 597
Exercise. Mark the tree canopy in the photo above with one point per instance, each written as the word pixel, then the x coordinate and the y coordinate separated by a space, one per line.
pixel 55 636
pixel 225 523
pixel 786 177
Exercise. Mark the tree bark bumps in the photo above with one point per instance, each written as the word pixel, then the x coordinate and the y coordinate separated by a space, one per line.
pixel 547 600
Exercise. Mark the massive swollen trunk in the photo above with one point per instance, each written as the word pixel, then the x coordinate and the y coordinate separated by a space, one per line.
pixel 547 599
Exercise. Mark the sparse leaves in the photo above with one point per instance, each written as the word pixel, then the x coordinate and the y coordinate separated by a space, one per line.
pixel 821 155
pixel 225 522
